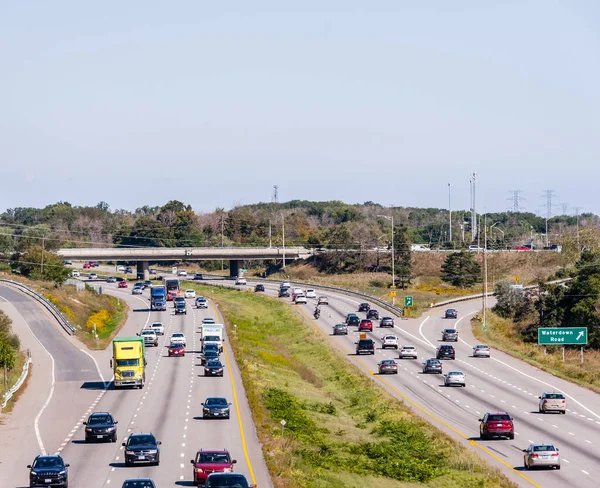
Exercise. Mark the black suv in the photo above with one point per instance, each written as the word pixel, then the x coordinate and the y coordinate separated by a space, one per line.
pixel 373 314
pixel 180 308
pixel 365 346
pixel 208 355
pixel 101 426
pixel 142 448
pixel 259 287
pixel 364 307
pixel 215 408
pixel 352 319
pixel 48 471
pixel 445 351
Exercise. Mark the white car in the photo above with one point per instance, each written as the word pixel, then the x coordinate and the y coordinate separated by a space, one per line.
pixel 121 268
pixel 75 273
pixel 240 281
pixel 455 378
pixel 285 284
pixel 158 327
pixel 182 272
pixel 323 301
pixel 310 294
pixel 301 300
pixel 389 340
pixel 201 302
pixel 93 276
pixel 208 321
pixel 481 351
pixel 190 294
pixel 178 337
pixel 137 290
pixel 408 351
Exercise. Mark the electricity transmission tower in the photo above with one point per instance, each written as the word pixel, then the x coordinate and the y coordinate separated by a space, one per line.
pixel 516 200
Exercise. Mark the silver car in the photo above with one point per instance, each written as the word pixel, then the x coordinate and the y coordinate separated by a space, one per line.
pixel 455 378
pixel 407 352
pixel 481 351
pixel 541 456
pixel 450 335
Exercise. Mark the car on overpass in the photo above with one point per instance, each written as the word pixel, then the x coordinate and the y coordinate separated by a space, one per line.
pixel 240 281
pixel 182 272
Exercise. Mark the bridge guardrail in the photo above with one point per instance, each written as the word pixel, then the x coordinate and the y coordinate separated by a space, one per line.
pixel 56 313
pixel 8 395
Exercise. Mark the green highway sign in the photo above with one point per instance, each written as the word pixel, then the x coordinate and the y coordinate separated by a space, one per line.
pixel 563 335
pixel 408 301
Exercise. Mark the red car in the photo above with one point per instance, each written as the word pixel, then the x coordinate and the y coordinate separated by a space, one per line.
pixel 526 247
pixel 171 295
pixel 496 424
pixel 365 324
pixel 87 266
pixel 122 284
pixel 209 461
pixel 176 349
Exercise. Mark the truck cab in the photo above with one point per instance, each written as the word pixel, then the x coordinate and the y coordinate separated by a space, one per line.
pixel 158 298
pixel 129 362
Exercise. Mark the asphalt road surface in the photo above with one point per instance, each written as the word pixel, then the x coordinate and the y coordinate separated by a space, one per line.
pixel 500 383
pixel 168 406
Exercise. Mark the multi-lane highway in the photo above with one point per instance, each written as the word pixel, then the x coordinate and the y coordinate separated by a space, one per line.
pixel 168 406
pixel 500 383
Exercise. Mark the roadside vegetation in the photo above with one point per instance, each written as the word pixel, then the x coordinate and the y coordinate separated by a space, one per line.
pixel 513 325
pixel 341 429
pixel 11 358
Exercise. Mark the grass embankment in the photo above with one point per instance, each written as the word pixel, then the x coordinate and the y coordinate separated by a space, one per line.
pixel 504 335
pixel 342 430
pixel 13 376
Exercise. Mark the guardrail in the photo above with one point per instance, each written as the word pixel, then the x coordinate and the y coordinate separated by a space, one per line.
pixel 56 313
pixel 8 395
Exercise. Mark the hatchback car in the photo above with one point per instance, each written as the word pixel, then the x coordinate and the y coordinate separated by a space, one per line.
pixel 407 352
pixel 138 483
pixel 340 329
pixel 364 307
pixel 451 314
pixel 553 402
pixel 373 314
pixel 227 480
pixel 215 408
pixel 176 349
pixel 142 448
pixel 496 424
pixel 365 324
pixel 190 293
pixel 48 471
pixel 208 461
pixel 310 293
pixel 389 340
pixel 137 290
pixel 388 366
pixel 100 426
pixel 300 300
pixel 432 366
pixel 455 378
pixel 445 351
pixel 214 367
pixel 386 322
pixel 201 302
pixel 259 287
pixel 450 335
pixel 481 351
pixel 122 284
pixel 323 301
pixel 541 456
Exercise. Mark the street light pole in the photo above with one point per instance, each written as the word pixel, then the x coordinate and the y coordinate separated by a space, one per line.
pixel 393 252
pixel 449 214
pixel 283 238
pixel 485 272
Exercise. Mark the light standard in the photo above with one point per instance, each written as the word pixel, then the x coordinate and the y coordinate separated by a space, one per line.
pixel 283 238
pixel 449 214
pixel 393 266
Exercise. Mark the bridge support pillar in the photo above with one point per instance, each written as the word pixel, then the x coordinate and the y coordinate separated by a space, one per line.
pixel 143 270
pixel 234 268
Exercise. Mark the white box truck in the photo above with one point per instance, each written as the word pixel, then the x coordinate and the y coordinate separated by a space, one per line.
pixel 212 334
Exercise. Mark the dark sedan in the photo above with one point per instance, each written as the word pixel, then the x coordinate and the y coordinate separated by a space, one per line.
pixel 373 314
pixel 48 471
pixel 209 355
pixel 215 408
pixel 138 483
pixel 364 307
pixel 100 426
pixel 451 314
pixel 388 366
pixel 386 322
pixel 142 448
pixel 432 366
pixel 214 367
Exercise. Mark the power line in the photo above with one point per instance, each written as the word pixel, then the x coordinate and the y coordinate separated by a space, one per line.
pixel 516 200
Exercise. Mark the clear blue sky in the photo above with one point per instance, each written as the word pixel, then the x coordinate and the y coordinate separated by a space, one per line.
pixel 213 103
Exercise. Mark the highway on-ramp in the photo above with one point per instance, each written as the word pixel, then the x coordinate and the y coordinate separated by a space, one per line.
pixel 500 383
pixel 169 405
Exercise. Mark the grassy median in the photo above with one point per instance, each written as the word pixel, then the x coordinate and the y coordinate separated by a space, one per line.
pixel 341 429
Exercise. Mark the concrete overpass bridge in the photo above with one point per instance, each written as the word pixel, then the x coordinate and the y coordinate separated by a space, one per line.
pixel 144 255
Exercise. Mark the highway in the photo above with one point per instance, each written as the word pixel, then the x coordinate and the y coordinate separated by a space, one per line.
pixel 168 406
pixel 500 383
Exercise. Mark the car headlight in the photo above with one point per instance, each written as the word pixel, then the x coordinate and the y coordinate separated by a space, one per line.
pixel 110 429
pixel 130 453
pixel 33 473
pixel 153 451
pixel 87 429
pixel 63 472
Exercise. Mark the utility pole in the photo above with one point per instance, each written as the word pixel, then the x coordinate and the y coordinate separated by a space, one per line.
pixel 273 203
pixel 222 240
pixel 391 218
pixel 473 207
pixel 43 249
pixel 577 209
pixel 449 213
pixel 485 273
pixel 283 237
pixel 548 194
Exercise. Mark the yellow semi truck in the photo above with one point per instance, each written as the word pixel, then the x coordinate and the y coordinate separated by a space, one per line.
pixel 129 362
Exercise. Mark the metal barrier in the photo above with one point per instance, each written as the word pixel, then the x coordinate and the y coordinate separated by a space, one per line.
pixel 56 313
pixel 8 395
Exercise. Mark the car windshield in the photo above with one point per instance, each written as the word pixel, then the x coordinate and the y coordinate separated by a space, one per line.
pixel 176 345
pixel 450 331
pixel 499 416
pixel 48 462
pixel 140 440
pixel 127 362
pixel 544 448
pixel 99 419
pixel 214 363
pixel 387 361
pixel 212 338
pixel 215 401
pixel 226 481
pixel 157 326
pixel 555 396
pixel 210 354
pixel 408 347
pixel 148 332
pixel 138 484
pixel 454 373
pixel 433 361
pixel 177 334
pixel 213 457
